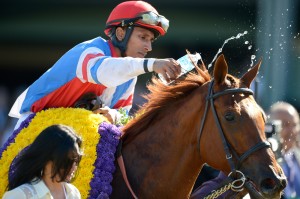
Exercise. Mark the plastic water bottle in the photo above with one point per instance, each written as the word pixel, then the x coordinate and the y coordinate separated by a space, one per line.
pixel 187 64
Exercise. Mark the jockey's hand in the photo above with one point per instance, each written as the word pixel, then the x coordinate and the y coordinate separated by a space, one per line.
pixel 169 68
pixel 110 114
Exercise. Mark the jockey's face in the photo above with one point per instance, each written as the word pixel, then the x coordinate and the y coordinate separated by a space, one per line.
pixel 140 42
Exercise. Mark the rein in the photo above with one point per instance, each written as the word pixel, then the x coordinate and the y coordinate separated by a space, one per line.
pixel 228 151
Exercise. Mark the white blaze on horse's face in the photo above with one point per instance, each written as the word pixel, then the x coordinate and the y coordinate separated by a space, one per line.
pixel 237 107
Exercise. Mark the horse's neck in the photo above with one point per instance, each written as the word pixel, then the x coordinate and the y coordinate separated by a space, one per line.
pixel 165 157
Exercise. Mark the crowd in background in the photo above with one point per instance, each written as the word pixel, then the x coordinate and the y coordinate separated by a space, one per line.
pixel 288 150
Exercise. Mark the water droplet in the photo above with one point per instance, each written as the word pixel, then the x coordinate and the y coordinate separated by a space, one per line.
pixel 270 86
pixel 225 42
pixel 253 56
pixel 246 42
pixel 262 76
pixel 249 47
pixel 271 49
pixel 270 35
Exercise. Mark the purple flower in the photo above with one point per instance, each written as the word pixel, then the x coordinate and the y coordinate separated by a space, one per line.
pixel 11 138
pixel 104 164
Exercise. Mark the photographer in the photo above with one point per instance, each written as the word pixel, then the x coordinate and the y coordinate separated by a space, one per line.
pixel 289 152
pixel 272 130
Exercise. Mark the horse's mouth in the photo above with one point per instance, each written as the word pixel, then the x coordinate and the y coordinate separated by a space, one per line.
pixel 253 190
pixel 255 193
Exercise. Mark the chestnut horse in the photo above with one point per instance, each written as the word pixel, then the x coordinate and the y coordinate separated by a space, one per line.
pixel 197 119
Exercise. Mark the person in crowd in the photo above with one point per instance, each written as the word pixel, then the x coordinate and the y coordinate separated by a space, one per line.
pixel 106 68
pixel 290 151
pixel 45 168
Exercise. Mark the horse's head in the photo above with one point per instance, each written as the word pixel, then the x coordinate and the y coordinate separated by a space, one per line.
pixel 233 112
pixel 164 140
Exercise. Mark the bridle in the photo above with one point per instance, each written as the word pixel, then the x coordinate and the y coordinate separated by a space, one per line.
pixel 228 150
pixel 237 184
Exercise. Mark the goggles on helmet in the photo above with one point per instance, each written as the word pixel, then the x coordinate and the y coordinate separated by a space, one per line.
pixel 147 18
pixel 152 18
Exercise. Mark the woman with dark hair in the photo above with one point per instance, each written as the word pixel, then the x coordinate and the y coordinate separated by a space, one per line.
pixel 45 168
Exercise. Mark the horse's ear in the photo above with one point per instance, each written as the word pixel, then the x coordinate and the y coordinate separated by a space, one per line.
pixel 251 74
pixel 220 70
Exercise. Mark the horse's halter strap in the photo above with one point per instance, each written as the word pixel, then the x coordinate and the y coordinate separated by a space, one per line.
pixel 210 99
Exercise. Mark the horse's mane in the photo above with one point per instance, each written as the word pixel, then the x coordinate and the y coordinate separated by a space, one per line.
pixel 159 97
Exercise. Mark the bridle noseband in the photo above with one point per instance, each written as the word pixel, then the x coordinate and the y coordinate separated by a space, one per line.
pixel 228 151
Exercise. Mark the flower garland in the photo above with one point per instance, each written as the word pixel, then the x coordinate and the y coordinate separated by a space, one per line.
pixel 11 138
pixel 6 158
pixel 104 164
pixel 86 124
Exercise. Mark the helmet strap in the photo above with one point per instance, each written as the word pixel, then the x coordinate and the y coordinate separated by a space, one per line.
pixel 122 45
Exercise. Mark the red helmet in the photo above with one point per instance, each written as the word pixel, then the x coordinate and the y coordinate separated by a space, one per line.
pixel 137 13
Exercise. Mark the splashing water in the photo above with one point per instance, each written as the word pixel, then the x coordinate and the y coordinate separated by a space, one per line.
pixel 252 60
pixel 238 36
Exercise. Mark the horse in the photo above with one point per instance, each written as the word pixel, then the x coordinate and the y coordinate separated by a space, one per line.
pixel 195 120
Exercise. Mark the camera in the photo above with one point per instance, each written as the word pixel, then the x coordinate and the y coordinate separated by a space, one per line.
pixel 272 128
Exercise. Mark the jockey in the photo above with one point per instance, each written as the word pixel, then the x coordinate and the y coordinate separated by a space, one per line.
pixel 106 68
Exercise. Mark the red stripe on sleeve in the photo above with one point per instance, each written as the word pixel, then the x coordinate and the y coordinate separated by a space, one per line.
pixel 124 102
pixel 85 62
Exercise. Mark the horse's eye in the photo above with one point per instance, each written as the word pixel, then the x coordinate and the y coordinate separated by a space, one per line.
pixel 229 116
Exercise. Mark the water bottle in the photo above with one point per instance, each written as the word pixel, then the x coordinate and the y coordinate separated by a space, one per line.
pixel 187 64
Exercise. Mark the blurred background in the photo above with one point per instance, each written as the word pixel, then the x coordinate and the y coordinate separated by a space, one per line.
pixel 34 34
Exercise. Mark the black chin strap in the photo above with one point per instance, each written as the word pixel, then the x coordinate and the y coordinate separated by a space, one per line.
pixel 122 45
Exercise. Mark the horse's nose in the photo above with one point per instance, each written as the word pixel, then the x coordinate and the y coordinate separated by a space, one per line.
pixel 283 183
pixel 271 186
